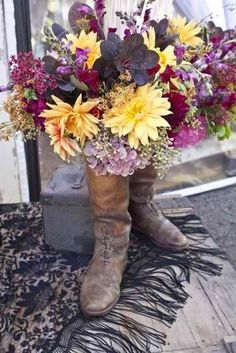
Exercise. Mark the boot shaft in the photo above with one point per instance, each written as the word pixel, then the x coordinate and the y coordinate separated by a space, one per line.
pixel 141 185
pixel 109 198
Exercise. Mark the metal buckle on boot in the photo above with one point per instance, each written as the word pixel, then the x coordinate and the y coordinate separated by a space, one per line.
pixel 107 240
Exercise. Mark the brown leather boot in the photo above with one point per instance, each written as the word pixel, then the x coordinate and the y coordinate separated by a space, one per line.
pixel 109 197
pixel 148 220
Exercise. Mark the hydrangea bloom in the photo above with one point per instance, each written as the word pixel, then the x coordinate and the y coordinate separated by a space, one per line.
pixel 118 158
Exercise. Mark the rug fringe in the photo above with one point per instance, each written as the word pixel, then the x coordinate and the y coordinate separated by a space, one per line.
pixel 153 287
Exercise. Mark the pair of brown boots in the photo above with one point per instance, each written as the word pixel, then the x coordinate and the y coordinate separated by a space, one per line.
pixel 117 204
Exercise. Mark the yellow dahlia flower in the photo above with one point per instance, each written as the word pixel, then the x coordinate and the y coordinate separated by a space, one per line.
pixel 86 41
pixel 166 56
pixel 76 120
pixel 64 146
pixel 140 117
pixel 187 31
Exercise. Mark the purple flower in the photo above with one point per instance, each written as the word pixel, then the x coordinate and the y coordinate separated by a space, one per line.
pixel 64 70
pixel 81 56
pixel 8 87
pixel 187 76
pixel 116 158
pixel 179 53
pixel 63 61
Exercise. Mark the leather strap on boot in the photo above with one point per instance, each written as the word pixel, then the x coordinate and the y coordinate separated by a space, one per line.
pixel 146 219
pixel 109 198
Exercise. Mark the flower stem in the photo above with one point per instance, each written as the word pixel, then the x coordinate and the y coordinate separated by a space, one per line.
pixel 141 19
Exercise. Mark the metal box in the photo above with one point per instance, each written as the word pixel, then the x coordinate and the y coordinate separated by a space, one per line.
pixel 68 224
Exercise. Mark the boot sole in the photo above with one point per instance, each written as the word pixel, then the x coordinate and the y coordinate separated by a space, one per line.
pixel 162 246
pixel 100 312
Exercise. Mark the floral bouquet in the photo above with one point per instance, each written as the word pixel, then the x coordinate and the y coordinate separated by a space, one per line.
pixel 124 101
pixel 218 61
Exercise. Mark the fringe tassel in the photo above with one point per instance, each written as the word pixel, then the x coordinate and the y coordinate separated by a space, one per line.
pixel 152 287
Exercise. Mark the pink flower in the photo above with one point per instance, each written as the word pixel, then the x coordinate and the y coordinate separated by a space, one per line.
pixel 188 136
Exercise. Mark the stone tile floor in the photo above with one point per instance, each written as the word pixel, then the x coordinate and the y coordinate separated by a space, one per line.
pixel 217 210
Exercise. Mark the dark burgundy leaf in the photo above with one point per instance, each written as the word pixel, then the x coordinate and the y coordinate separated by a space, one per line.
pixel 151 59
pixel 50 64
pixel 140 76
pixel 128 47
pixel 160 27
pixel 109 50
pixel 137 59
pixel 143 58
pixel 66 86
pixel 77 11
pixel 134 41
pixel 100 65
pixel 162 43
pixel 114 38
pixel 59 31
pixel 111 71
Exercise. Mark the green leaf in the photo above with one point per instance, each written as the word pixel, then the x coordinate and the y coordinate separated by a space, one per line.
pixel 228 131
pixel 30 94
pixel 78 84
pixel 220 131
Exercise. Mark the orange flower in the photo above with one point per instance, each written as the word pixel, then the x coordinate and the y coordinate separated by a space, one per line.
pixel 64 146
pixel 76 120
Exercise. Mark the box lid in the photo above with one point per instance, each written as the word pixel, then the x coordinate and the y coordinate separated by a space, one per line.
pixel 67 187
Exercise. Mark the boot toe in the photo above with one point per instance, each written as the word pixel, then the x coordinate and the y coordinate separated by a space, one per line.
pixel 180 241
pixel 173 238
pixel 94 305
pixel 98 301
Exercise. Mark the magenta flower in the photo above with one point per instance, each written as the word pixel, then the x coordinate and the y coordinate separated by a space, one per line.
pixel 89 77
pixel 94 26
pixel 147 15
pixel 152 72
pixel 79 11
pixel 127 33
pixel 35 107
pixel 27 71
pixel 188 136
pixel 168 74
pixel 100 10
pixel 179 108
pixel 112 30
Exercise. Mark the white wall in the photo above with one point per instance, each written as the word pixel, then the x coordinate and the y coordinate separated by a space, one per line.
pixel 13 179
